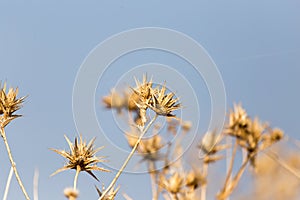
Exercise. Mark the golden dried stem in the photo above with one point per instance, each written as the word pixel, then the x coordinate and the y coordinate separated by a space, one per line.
pixel 11 171
pixel 229 173
pixel 78 169
pixel 204 187
pixel 128 158
pixel 13 164
pixel 153 177
pixel 36 184
pixel 232 185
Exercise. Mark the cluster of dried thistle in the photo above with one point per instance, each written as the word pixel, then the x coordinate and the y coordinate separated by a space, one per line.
pixel 176 179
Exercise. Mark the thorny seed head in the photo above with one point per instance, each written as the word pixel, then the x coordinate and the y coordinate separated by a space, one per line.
pixel 9 103
pixel 143 89
pixel 194 179
pixel 131 98
pixel 268 139
pixel 173 184
pixel 149 148
pixel 252 135
pixel 82 155
pixel 151 145
pixel 210 145
pixel 276 134
pixel 144 92
pixel 255 131
pixel 163 104
pixel 209 142
pixel 238 122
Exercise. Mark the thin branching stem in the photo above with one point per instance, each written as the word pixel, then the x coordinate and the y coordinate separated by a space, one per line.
pixel 128 158
pixel 153 176
pixel 13 164
pixel 204 187
pixel 78 169
pixel 229 173
pixel 36 185
pixel 232 184
pixel 11 171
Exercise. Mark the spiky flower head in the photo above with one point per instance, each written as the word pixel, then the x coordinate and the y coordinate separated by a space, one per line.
pixel 174 184
pixel 81 156
pixel 209 142
pixel 9 103
pixel 149 148
pixel 144 92
pixel 238 122
pixel 143 89
pixel 163 104
pixel 194 179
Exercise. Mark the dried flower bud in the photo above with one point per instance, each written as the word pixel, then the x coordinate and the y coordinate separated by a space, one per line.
pixel 276 135
pixel 174 184
pixel 194 179
pixel 208 143
pixel 71 194
pixel 9 103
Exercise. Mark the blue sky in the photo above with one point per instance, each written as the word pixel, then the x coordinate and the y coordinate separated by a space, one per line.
pixel 255 44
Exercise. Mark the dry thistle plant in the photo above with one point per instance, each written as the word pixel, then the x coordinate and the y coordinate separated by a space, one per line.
pixel 9 104
pixel 176 179
pixel 81 158
pixel 252 137
pixel 145 96
pixel 173 181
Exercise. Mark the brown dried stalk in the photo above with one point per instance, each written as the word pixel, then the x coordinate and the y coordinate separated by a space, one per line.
pixel 13 164
pixel 204 186
pixel 128 158
pixel 11 171
pixel 9 104
pixel 229 173
pixel 153 177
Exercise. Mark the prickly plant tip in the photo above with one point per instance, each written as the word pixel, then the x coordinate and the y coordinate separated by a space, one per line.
pixel 144 92
pixel 81 156
pixel 9 104
pixel 163 104
pixel 174 184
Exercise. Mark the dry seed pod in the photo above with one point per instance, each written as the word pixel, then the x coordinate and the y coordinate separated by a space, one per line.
pixel 9 104
pixel 71 194
pixel 163 104
pixel 82 155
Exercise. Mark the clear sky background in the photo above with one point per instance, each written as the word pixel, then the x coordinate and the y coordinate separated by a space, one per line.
pixel 255 44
